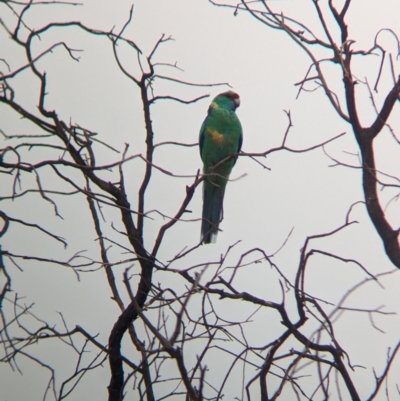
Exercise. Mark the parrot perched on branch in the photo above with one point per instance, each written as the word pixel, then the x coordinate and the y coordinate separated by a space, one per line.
pixel 220 138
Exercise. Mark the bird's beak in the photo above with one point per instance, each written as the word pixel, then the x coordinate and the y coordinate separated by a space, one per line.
pixel 237 101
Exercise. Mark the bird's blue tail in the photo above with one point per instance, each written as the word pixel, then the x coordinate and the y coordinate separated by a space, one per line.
pixel 213 196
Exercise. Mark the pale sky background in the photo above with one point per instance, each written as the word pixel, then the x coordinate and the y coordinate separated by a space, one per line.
pixel 300 191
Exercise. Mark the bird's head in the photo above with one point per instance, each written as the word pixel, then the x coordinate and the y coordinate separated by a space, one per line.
pixel 226 100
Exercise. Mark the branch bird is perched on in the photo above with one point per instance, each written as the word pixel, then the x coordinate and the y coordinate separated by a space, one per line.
pixel 220 137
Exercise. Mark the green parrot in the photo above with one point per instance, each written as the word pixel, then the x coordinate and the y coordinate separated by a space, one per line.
pixel 220 137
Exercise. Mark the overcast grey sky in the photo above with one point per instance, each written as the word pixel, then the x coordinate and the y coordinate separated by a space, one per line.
pixel 302 191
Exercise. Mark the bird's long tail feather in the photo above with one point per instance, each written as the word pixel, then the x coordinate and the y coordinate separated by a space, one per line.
pixel 213 196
